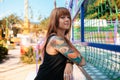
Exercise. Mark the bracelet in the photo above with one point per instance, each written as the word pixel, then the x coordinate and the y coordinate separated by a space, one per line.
pixel 69 61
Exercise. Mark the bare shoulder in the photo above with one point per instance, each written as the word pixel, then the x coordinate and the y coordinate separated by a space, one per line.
pixel 52 44
pixel 56 40
pixel 59 44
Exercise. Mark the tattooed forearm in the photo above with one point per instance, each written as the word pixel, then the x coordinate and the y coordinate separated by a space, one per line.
pixel 60 45
pixel 75 58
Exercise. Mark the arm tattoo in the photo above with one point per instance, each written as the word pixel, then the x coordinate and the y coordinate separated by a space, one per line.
pixel 60 45
pixel 70 54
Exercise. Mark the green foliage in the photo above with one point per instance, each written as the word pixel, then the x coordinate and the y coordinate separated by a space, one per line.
pixel 3 42
pixel 102 9
pixel 44 24
pixel 29 56
pixel 12 19
pixel 3 52
pixel 6 22
pixel 91 29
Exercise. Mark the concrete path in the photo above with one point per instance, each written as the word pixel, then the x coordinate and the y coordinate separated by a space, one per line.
pixel 13 68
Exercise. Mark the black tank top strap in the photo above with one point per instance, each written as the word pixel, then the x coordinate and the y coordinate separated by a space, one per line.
pixel 49 39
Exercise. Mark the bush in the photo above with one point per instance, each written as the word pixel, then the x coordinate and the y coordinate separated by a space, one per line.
pixel 29 56
pixel 3 52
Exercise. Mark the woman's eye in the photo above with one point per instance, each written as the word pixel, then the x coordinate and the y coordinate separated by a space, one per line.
pixel 68 17
pixel 62 17
pixel 65 17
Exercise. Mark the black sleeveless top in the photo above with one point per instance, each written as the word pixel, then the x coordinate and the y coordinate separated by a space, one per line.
pixel 52 67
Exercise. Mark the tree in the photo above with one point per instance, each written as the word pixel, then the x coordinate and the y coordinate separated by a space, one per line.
pixel 44 24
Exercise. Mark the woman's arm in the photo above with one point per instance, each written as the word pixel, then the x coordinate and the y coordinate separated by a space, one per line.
pixel 68 72
pixel 65 47
pixel 74 49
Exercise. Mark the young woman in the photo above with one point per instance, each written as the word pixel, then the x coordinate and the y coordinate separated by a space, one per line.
pixel 58 49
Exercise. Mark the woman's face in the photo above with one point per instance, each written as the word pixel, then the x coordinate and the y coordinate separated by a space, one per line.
pixel 64 22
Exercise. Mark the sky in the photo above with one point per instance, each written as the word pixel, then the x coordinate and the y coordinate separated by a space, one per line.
pixel 38 7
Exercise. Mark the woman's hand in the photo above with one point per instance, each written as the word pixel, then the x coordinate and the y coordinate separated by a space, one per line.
pixel 68 72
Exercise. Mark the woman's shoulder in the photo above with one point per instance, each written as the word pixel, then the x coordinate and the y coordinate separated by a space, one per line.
pixel 56 40
pixel 55 37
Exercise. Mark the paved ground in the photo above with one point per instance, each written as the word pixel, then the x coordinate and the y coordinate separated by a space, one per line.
pixel 14 69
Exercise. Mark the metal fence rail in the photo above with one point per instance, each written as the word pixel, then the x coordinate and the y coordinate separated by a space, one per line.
pixel 97 22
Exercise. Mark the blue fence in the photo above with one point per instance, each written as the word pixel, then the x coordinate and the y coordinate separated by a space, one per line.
pixel 97 23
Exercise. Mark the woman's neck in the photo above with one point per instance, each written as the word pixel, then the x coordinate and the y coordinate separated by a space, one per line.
pixel 61 33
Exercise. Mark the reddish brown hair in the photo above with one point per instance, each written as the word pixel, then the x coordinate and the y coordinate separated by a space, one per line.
pixel 54 21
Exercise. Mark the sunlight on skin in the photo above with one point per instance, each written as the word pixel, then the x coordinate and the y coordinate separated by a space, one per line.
pixel 60 45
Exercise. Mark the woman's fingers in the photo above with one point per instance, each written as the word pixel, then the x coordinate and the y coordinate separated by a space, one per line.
pixel 68 71
pixel 68 76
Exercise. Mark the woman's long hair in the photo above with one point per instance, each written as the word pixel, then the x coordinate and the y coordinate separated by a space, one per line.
pixel 54 21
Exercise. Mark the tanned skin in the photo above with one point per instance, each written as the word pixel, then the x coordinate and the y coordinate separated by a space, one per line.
pixel 65 47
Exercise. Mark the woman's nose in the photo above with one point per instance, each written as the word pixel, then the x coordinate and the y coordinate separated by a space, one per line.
pixel 66 18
